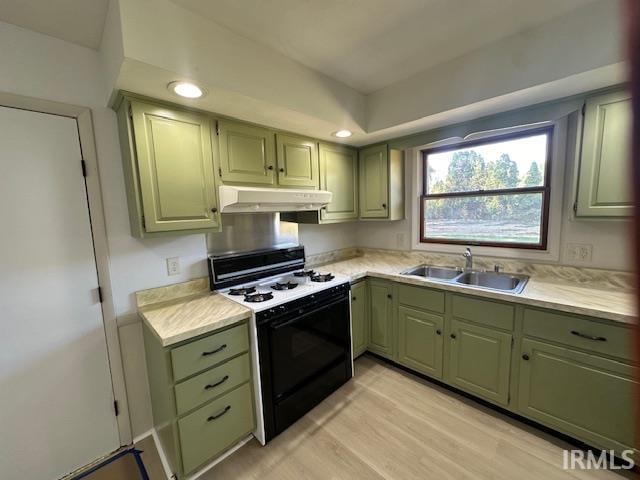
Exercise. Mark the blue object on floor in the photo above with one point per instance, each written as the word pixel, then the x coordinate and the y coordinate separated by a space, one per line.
pixel 133 451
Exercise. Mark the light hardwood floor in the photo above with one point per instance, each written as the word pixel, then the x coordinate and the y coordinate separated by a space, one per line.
pixel 388 424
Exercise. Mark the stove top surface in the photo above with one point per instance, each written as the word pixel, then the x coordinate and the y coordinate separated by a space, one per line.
pixel 269 292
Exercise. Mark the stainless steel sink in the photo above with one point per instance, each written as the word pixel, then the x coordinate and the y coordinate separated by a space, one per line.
pixel 504 282
pixel 494 281
pixel 426 271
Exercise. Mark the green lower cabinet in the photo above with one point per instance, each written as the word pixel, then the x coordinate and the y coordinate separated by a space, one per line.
pixel 586 396
pixel 381 317
pixel 210 430
pixel 420 341
pixel 359 317
pixel 480 360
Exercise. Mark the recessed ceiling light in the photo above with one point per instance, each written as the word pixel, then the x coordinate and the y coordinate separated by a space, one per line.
pixel 342 133
pixel 186 89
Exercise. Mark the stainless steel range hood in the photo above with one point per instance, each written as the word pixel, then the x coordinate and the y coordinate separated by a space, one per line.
pixel 256 200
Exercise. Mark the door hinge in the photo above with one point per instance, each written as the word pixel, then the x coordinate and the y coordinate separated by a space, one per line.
pixel 512 342
pixel 83 164
pixel 116 408
pixel 144 225
pixel 575 207
pixel 220 171
pixel 100 297
pixel 217 128
pixel 584 108
pixel 509 398
pixel 130 111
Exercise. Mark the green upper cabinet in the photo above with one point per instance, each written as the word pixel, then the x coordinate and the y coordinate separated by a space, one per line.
pixel 604 188
pixel 381 318
pixel 339 175
pixel 584 395
pixel 247 154
pixel 381 183
pixel 374 182
pixel 480 360
pixel 169 168
pixel 420 340
pixel 297 161
pixel 359 317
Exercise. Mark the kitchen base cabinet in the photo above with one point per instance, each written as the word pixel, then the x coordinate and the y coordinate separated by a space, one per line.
pixel 420 341
pixel 589 397
pixel 359 318
pixel 200 409
pixel 381 318
pixel 480 360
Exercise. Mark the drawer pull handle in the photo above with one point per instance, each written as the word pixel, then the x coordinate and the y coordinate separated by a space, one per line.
pixel 588 337
pixel 218 415
pixel 218 383
pixel 217 350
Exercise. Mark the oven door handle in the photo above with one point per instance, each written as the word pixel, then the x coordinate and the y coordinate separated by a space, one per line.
pixel 306 313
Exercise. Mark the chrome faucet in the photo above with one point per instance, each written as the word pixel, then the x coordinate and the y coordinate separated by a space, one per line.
pixel 468 256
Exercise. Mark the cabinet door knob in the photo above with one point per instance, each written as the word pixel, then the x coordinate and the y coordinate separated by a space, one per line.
pixel 453 335
pixel 438 332
pixel 525 357
pixel 214 210
pixel 389 296
pixel 270 167
pixel 384 205
pixel 282 170
pixel 353 298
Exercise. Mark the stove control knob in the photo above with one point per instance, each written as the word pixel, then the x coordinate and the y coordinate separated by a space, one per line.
pixel 282 308
pixel 272 311
pixel 312 297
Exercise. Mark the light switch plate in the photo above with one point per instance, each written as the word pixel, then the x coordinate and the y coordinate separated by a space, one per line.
pixel 579 252
pixel 173 266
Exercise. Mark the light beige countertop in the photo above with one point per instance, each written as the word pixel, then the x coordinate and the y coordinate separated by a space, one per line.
pixel 180 312
pixel 565 289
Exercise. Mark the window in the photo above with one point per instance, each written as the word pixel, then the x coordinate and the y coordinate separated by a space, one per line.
pixel 493 191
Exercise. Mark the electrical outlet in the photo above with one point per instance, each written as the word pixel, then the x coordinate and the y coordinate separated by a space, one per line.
pixel 173 266
pixel 578 252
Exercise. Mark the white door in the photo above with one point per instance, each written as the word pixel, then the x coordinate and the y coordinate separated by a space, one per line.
pixel 56 398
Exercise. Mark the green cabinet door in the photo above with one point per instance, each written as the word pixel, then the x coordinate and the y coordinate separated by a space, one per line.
pixel 586 396
pixel 420 341
pixel 339 175
pixel 297 161
pixel 247 154
pixel 381 318
pixel 175 168
pixel 359 317
pixel 374 182
pixel 604 188
pixel 480 360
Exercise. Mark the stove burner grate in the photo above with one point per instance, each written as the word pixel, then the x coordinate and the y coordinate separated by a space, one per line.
pixel 304 273
pixel 284 285
pixel 242 290
pixel 322 277
pixel 258 297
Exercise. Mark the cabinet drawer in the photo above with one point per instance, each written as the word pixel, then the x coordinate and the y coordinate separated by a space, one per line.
pixel 498 315
pixel 207 352
pixel 210 384
pixel 215 427
pixel 605 338
pixel 423 298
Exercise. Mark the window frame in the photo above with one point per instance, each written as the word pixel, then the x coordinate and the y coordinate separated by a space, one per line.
pixel 545 189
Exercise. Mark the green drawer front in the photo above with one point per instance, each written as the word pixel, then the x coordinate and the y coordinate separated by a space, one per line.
pixel 605 338
pixel 485 312
pixel 203 437
pixel 209 351
pixel 423 298
pixel 210 384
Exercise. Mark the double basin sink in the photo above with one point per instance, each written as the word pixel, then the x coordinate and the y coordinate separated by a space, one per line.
pixel 504 282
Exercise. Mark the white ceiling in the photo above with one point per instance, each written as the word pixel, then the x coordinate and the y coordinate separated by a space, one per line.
pixel 76 21
pixel 369 44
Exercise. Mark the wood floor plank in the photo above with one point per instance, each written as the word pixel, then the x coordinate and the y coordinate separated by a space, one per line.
pixel 388 424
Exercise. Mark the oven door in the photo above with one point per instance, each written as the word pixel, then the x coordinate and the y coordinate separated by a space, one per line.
pixel 308 343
